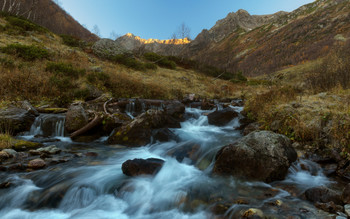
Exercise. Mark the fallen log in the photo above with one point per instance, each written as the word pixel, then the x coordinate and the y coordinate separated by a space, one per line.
pixel 95 122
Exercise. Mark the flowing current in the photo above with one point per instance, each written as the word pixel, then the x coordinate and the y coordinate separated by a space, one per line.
pixel 184 187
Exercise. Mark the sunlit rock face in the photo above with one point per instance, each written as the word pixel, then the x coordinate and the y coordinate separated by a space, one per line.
pixel 134 43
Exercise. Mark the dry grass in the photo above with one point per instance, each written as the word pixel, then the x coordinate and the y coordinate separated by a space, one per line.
pixel 294 109
pixel 6 141
pixel 21 79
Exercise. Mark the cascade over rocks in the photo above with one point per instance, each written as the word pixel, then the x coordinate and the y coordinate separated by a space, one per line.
pixel 138 167
pixel 262 155
pixel 222 117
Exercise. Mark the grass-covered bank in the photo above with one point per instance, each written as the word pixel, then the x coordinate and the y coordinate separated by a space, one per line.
pixel 309 103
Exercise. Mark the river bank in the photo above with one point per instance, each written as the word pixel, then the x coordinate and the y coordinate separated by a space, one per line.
pixel 86 178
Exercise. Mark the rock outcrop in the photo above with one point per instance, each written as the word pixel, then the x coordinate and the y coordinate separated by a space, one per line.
pixel 106 48
pixel 263 156
pixel 16 119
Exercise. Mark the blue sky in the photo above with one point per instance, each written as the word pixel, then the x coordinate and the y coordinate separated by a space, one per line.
pixel 160 18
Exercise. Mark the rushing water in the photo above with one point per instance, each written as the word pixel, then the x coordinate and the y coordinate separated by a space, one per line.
pixel 184 187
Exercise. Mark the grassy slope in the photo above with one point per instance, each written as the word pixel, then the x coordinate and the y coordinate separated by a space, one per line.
pixel 319 118
pixel 305 34
pixel 21 79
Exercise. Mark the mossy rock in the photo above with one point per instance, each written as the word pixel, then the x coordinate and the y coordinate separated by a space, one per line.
pixel 22 145
pixel 52 110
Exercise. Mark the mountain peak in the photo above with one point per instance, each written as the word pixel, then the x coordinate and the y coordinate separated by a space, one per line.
pixel 242 11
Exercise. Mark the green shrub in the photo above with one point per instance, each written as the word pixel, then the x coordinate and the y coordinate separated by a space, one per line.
pixel 28 53
pixel 62 83
pixel 95 77
pixel 165 63
pixel 72 41
pixel 7 63
pixel 162 61
pixel 129 62
pixel 184 63
pixel 24 24
pixel 82 94
pixel 150 66
pixel 64 69
pixel 153 57
pixel 238 77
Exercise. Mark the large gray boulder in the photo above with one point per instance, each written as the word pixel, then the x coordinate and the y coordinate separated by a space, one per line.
pixel 262 156
pixel 76 118
pixel 16 119
pixel 138 132
pixel 106 48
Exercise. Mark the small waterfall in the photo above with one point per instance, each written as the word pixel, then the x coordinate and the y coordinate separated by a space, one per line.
pixel 130 109
pixel 48 125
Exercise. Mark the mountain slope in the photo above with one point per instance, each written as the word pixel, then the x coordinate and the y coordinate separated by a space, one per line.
pixel 259 45
pixel 48 14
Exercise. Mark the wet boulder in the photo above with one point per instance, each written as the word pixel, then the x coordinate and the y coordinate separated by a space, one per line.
pixel 138 132
pixel 175 113
pixel 17 119
pixel 36 164
pixel 323 194
pixel 347 210
pixel 164 135
pixel 222 117
pixel 22 145
pixel 46 150
pixel 76 118
pixel 137 167
pixel 330 207
pixel 4 156
pixel 262 156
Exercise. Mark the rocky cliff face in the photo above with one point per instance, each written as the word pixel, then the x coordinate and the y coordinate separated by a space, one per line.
pixel 132 43
pixel 262 44
pixel 48 14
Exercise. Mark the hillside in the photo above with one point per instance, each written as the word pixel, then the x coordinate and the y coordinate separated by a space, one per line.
pixel 47 14
pixel 259 45
pixel 39 65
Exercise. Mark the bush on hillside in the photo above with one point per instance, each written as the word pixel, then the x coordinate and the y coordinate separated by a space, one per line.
pixel 161 61
pixel 130 62
pixel 238 77
pixel 334 71
pixel 64 69
pixel 24 24
pixel 28 53
pixel 98 77
pixel 72 41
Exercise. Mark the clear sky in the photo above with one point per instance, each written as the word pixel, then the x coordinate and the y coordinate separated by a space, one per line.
pixel 160 18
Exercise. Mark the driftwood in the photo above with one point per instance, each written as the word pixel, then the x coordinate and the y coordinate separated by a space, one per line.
pixel 146 101
pixel 105 104
pixel 96 121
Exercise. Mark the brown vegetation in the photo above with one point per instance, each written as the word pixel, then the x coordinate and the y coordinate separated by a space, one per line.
pixel 48 14
pixel 302 37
